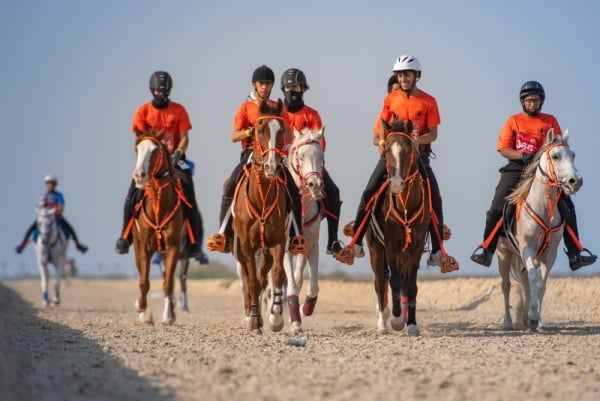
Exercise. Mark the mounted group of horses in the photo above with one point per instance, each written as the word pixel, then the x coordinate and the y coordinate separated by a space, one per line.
pixel 396 234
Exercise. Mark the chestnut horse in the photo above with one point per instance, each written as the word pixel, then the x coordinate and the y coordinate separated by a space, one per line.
pixel 402 218
pixel 160 224
pixel 260 209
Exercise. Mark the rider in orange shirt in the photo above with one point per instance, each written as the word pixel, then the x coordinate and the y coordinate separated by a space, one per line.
pixel 520 138
pixel 244 123
pixel 409 103
pixel 293 85
pixel 158 114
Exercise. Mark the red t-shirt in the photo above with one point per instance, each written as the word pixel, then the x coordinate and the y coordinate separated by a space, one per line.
pixel 246 117
pixel 307 117
pixel 173 118
pixel 526 133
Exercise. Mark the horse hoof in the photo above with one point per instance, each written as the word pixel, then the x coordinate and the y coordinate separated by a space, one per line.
pixel 136 305
pixel 257 332
pixel 145 317
pixel 56 301
pixel 382 330
pixel 386 313
pixel 168 322
pixel 295 328
pixel 507 328
pixel 276 323
pixel 397 323
pixel 534 324
pixel 309 305
pixel 413 330
pixel 185 308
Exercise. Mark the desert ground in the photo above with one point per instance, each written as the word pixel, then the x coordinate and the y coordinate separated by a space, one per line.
pixel 90 348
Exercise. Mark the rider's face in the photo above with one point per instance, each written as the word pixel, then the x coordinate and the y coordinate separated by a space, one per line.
pixel 531 103
pixel 406 79
pixel 263 89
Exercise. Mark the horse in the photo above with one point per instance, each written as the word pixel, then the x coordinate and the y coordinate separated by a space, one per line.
pixel 402 217
pixel 260 210
pixel 160 225
pixel 50 247
pixel 305 162
pixel 529 253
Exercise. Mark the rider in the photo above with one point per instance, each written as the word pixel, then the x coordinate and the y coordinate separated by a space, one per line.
pixel 293 85
pixel 53 199
pixel 163 114
pixel 244 123
pixel 393 84
pixel 408 103
pixel 519 140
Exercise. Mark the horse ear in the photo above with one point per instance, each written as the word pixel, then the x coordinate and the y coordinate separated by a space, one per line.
pixel 549 136
pixel 263 105
pixel 322 130
pixel 566 135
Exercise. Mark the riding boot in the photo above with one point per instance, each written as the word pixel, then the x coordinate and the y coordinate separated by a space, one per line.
pixel 333 221
pixel 221 242
pixel 124 241
pixel 19 248
pixel 297 241
pixel 491 236
pixel 71 232
pixel 574 250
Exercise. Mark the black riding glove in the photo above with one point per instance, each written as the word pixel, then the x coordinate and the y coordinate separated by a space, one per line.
pixel 176 156
pixel 527 158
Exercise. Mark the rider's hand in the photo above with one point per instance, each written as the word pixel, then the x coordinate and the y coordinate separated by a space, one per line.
pixel 176 156
pixel 527 158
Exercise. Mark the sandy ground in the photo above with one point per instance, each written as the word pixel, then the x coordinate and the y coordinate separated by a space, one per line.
pixel 89 347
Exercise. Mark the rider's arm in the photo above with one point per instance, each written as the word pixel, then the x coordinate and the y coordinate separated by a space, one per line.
pixel 428 137
pixel 239 135
pixel 184 141
pixel 510 153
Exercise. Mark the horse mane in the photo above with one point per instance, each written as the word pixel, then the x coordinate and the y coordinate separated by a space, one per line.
pixel 522 189
pixel 267 108
pixel 405 126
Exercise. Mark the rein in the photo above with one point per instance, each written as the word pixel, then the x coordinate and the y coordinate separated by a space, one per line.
pixel 399 204
pixel 258 147
pixel 296 165
pixel 549 183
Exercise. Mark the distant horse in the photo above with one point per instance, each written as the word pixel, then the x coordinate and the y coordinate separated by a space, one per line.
pixel 160 224
pixel 260 208
pixel 402 218
pixel 539 228
pixel 50 247
pixel 305 163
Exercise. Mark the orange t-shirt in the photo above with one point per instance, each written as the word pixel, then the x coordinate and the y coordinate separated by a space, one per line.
pixel 307 117
pixel 173 118
pixel 526 133
pixel 246 117
pixel 421 109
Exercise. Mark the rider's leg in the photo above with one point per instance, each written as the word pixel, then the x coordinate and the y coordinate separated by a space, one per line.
pixel 187 183
pixel 375 181
pixel 297 240
pixel 574 249
pixel 19 248
pixel 71 231
pixel 508 181
pixel 333 207
pixel 124 241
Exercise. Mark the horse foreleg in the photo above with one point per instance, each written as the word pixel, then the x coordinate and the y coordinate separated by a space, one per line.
pixel 292 292
pixel 379 268
pixel 504 263
pixel 411 293
pixel 313 289
pixel 185 264
pixel 249 283
pixel 141 304
pixel 533 276
pixel 43 268
pixel 171 257
pixel 278 277
pixel 58 270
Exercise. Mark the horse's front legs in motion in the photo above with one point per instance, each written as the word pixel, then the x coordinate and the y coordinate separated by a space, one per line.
pixel 272 261
pixel 404 300
pixel 171 256
pixel 141 304
pixel 183 301
pixel 535 291
pixel 381 283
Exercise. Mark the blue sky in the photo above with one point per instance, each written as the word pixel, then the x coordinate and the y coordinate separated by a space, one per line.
pixel 75 71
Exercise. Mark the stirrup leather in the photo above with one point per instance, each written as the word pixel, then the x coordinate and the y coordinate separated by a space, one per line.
pixel 349 229
pixel 446 233
pixel 298 245
pixel 448 264
pixel 346 255
pixel 216 242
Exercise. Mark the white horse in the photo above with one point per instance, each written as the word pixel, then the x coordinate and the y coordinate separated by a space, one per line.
pixel 50 247
pixel 305 163
pixel 539 228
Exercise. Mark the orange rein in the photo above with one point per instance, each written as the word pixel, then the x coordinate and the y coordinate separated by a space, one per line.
pixel 551 204
pixel 160 178
pixel 402 215
pixel 265 210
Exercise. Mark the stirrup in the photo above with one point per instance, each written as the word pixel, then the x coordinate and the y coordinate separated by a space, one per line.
pixel 298 245
pixel 349 229
pixel 446 233
pixel 346 255
pixel 448 264
pixel 216 242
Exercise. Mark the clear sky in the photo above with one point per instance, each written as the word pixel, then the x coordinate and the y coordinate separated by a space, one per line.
pixel 73 73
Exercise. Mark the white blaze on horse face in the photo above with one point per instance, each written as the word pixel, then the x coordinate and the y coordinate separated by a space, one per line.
pixel 271 163
pixel 309 160
pixel 396 181
pixel 141 173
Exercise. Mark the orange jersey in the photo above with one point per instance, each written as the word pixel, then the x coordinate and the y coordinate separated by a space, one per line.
pixel 422 110
pixel 173 118
pixel 307 117
pixel 526 133
pixel 246 117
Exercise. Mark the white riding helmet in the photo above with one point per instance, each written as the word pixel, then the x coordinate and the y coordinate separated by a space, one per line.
pixel 51 178
pixel 405 63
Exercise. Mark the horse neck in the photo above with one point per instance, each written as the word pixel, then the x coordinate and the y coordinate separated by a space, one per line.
pixel 543 197
pixel 160 193
pixel 260 189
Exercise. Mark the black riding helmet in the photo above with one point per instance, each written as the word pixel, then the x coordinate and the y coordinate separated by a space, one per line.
pixel 294 76
pixel 532 87
pixel 162 82
pixel 263 74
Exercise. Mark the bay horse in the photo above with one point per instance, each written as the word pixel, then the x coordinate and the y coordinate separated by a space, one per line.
pixel 402 217
pixel 260 208
pixel 529 253
pixel 160 225
pixel 305 163
pixel 50 247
